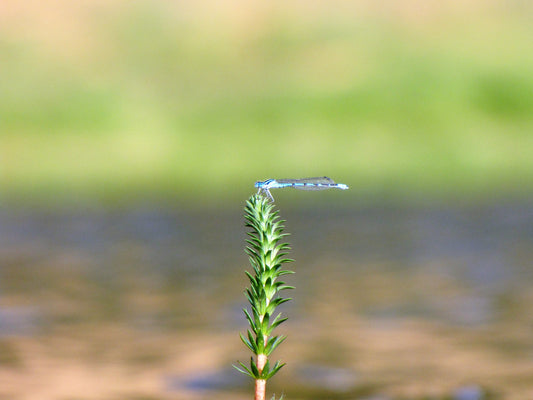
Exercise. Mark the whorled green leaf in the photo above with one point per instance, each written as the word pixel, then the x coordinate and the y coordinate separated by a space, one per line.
pixel 252 339
pixel 277 321
pixel 252 321
pixel 253 368
pixel 274 303
pixel 245 370
pixel 260 344
pixel 268 373
pixel 273 371
pixel 272 343
pixel 265 324
pixel 281 286
pixel 247 342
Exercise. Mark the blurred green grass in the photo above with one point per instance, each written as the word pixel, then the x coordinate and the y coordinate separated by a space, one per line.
pixel 151 102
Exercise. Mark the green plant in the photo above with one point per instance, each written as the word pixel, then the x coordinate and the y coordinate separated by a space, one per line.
pixel 267 256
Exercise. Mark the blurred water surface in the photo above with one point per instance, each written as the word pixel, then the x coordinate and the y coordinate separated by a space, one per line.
pixel 396 301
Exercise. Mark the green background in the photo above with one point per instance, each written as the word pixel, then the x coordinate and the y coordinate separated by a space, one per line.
pixel 193 102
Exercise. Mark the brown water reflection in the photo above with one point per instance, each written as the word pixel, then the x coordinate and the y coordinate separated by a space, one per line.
pixel 403 302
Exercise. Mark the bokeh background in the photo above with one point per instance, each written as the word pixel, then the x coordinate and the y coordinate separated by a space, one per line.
pixel 131 133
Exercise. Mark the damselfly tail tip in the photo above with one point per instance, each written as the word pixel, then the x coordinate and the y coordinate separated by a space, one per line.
pixel 343 186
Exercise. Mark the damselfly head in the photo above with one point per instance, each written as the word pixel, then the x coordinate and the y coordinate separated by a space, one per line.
pixel 264 184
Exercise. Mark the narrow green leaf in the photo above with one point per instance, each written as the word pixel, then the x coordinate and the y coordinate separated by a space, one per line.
pixel 275 303
pixel 285 287
pixel 286 272
pixel 254 369
pixel 251 320
pixel 247 342
pixel 251 340
pixel 260 344
pixel 245 370
pixel 272 343
pixel 265 323
pixel 278 321
pixel 274 370
pixel 266 370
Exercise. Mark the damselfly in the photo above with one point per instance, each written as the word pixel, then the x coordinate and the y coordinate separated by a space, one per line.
pixel 320 183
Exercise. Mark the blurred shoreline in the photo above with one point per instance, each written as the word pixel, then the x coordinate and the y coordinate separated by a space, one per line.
pixel 196 101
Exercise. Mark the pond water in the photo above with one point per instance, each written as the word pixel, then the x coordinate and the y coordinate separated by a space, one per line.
pixel 403 301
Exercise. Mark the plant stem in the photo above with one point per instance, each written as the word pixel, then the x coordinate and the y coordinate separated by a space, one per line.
pixel 260 389
pixel 260 384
